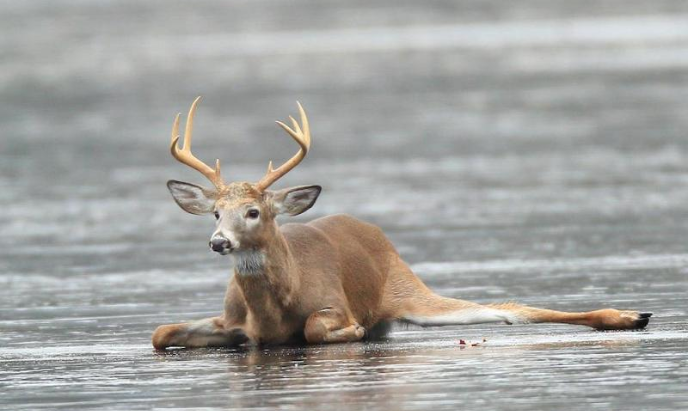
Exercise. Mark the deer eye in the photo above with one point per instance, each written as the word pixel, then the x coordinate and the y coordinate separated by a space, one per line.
pixel 217 215
pixel 253 213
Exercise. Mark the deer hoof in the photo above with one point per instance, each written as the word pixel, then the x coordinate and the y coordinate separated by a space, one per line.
pixel 643 320
pixel 610 319
pixel 163 336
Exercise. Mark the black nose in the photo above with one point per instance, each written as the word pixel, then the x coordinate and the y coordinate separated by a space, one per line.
pixel 219 244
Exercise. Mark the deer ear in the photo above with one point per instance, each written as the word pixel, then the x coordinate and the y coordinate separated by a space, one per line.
pixel 192 198
pixel 295 200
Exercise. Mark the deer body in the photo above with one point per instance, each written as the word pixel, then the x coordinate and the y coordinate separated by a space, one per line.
pixel 334 279
pixel 281 297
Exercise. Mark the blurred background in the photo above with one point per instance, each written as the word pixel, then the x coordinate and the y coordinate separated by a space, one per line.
pixel 532 151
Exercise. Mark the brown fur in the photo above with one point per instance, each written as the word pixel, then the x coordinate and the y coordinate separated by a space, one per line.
pixel 328 281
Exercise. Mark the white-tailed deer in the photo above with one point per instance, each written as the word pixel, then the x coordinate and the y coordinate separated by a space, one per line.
pixel 334 279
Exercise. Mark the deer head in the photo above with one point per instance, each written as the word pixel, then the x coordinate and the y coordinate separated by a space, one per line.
pixel 245 212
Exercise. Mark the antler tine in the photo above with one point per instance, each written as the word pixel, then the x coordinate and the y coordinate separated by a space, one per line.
pixel 184 154
pixel 302 135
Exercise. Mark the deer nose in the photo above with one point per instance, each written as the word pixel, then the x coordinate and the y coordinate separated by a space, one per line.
pixel 219 244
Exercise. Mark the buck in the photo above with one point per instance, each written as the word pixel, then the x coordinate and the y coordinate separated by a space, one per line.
pixel 334 279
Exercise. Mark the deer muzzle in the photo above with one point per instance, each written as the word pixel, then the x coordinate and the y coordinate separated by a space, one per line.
pixel 220 244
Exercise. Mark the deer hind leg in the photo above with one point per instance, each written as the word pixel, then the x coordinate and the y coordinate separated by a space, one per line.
pixel 331 325
pixel 434 310
pixel 210 332
pixel 446 311
pixel 605 319
pixel 409 300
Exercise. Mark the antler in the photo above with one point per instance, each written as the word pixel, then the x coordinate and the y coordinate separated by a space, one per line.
pixel 184 154
pixel 302 135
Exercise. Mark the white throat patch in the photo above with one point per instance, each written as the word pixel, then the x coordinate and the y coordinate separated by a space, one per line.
pixel 248 262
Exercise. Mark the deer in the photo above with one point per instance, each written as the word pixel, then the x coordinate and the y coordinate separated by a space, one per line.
pixel 335 279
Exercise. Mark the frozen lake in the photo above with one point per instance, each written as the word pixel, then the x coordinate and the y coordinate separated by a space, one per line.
pixel 532 151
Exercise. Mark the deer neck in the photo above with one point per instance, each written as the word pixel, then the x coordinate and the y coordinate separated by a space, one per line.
pixel 267 274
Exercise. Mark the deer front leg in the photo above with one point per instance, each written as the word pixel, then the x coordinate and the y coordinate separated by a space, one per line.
pixel 330 325
pixel 210 332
